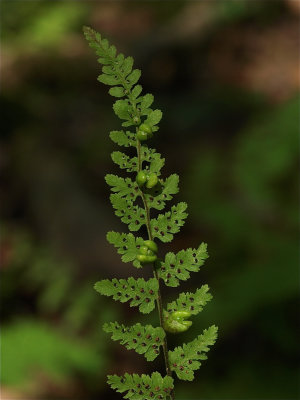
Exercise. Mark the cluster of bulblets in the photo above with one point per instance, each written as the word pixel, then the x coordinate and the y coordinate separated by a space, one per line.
pixel 174 322
pixel 143 178
pixel 147 252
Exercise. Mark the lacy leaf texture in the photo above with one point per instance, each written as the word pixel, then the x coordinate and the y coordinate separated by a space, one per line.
pixel 135 203
pixel 140 387
pixel 186 359
pixel 144 340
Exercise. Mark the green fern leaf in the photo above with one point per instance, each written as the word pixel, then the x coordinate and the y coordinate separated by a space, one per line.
pixel 125 187
pixel 165 225
pixel 127 65
pixel 134 77
pixel 134 216
pixel 101 46
pixel 136 91
pixel 186 359
pixel 154 118
pixel 109 79
pixel 117 70
pixel 140 387
pixel 122 138
pixel 192 302
pixel 146 102
pixel 157 197
pixel 178 266
pixel 127 245
pixel 122 109
pixel 156 163
pixel 153 160
pixel 117 91
pixel 124 161
pixel 144 340
pixel 139 292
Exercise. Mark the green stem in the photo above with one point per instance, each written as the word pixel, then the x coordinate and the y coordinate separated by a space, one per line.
pixel 159 297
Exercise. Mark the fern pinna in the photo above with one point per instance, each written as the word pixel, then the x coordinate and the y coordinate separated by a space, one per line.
pixel 133 199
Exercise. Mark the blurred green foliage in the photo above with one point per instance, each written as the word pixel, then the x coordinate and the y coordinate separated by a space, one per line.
pixel 231 135
pixel 52 354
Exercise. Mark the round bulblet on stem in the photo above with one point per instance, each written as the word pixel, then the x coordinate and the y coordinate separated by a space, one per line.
pixel 141 178
pixel 144 250
pixel 142 136
pixel 151 245
pixel 144 132
pixel 152 181
pixel 176 323
pixel 145 128
pixel 146 258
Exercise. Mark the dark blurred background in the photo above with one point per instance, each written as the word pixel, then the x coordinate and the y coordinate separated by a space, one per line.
pixel 226 75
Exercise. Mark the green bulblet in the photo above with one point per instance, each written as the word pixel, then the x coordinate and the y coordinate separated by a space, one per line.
pixel 152 181
pixel 149 180
pixel 145 128
pixel 144 250
pixel 146 258
pixel 144 132
pixel 151 245
pixel 142 136
pixel 177 326
pixel 141 178
pixel 176 323
pixel 147 252
pixel 181 315
pixel 151 259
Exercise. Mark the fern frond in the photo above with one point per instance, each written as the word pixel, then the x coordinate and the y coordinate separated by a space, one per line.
pixel 139 292
pixel 191 302
pixel 118 71
pixel 165 225
pixel 186 359
pixel 177 267
pixel 144 340
pixel 140 387
pixel 134 216
pixel 134 109
pixel 127 245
